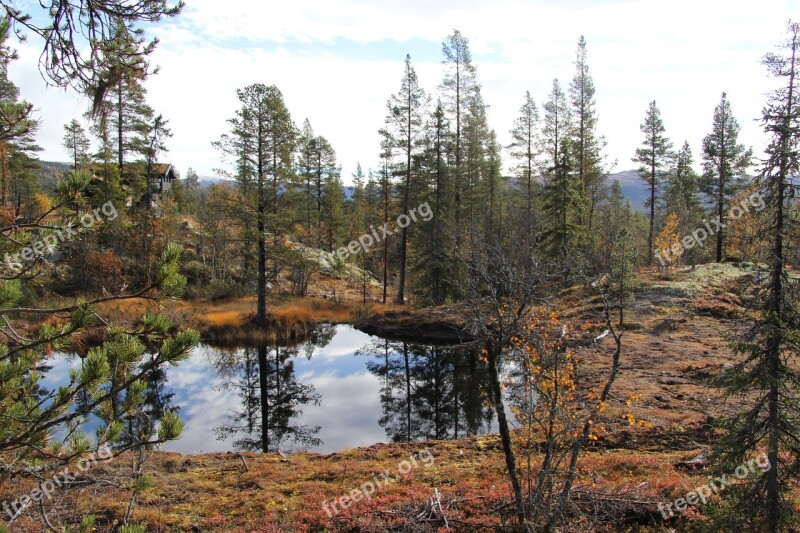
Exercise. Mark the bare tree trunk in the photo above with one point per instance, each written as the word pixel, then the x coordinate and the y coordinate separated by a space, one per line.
pixel 652 206
pixel 505 434
pixel 408 392
pixel 263 385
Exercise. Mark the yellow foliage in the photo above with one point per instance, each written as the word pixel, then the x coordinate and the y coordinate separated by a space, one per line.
pixel 743 239
pixel 668 242
pixel 43 203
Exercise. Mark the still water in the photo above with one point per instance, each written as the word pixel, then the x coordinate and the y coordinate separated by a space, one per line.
pixel 338 389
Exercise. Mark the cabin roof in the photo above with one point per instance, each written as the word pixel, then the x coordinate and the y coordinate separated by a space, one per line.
pixel 163 169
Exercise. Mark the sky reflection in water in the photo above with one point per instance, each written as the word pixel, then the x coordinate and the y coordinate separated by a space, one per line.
pixel 349 409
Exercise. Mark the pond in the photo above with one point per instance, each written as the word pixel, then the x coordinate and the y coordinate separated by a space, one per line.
pixel 338 389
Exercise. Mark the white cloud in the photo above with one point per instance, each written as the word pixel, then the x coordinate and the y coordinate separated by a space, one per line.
pixel 337 62
pixel 348 413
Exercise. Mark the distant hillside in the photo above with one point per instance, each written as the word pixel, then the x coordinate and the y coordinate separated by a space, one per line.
pixel 50 172
pixel 633 188
pixel 207 181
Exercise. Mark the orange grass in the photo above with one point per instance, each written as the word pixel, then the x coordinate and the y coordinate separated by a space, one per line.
pixel 214 492
pixel 225 319
pixel 311 310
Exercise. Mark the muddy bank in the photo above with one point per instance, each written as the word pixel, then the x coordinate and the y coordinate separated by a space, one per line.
pixel 437 325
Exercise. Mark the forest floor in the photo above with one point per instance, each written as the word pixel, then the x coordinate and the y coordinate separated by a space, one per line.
pixel 674 342
pixel 420 486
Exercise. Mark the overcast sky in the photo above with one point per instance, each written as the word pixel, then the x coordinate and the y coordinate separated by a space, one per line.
pixel 338 61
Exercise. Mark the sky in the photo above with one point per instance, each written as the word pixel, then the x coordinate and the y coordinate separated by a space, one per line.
pixel 338 61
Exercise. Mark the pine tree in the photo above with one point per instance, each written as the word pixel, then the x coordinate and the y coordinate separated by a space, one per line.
pixel 654 156
pixel 524 150
pixel 261 142
pixel 123 119
pixel 724 163
pixel 272 400
pixel 16 116
pixel 334 223
pixel 156 133
pixel 316 166
pixel 404 123
pixel 17 136
pixel 76 143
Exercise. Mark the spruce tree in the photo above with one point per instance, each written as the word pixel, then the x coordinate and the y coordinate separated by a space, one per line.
pixel 586 144
pixel 767 380
pixel 476 141
pixel 493 186
pixel 458 88
pixel 436 272
pixel 621 274
pixel 680 193
pixel 359 222
pixel 555 126
pixel 561 203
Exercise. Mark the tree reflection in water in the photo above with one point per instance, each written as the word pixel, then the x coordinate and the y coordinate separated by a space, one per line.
pixel 271 400
pixel 429 392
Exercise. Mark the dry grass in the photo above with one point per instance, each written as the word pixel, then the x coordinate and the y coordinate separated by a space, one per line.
pixel 237 312
pixel 312 310
pixel 224 319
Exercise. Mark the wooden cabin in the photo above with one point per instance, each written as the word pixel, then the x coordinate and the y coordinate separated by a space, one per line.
pixel 162 177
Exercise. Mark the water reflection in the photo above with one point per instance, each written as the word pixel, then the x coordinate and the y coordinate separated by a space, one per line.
pixel 429 392
pixel 339 388
pixel 271 403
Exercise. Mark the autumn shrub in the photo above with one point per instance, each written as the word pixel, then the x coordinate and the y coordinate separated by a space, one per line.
pixel 669 249
pixel 96 271
pixel 106 270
